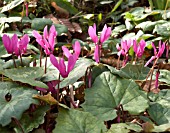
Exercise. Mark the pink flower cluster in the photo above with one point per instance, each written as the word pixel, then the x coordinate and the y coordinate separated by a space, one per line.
pixel 105 34
pixel 14 45
pixel 138 49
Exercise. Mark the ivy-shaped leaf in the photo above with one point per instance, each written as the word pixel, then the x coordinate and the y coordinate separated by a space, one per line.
pixel 14 100
pixel 28 123
pixel 135 72
pixel 26 75
pixel 109 91
pixel 74 121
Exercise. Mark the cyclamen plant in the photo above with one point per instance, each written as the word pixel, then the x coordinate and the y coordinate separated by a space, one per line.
pixel 16 46
pixel 105 34
pixel 72 58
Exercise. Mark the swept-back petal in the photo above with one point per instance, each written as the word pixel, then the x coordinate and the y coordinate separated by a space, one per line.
pixel 54 61
pixel 105 34
pixel 154 48
pixel 45 32
pixel 36 34
pixel 7 43
pixel 77 48
pixel 62 68
pixel 161 49
pixel 24 42
pixel 53 31
pixel 71 63
pixel 135 46
pixel 66 51
pixel 92 34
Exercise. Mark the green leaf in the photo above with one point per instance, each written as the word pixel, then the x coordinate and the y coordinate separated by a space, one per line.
pixel 110 91
pixel 26 75
pixel 162 128
pixel 162 29
pixel 77 72
pixel 135 72
pixel 159 112
pixel 28 122
pixel 40 23
pixel 124 128
pixel 11 5
pixel 14 100
pixel 2 50
pixel 60 29
pixel 25 62
pixel 75 121
pixel 164 76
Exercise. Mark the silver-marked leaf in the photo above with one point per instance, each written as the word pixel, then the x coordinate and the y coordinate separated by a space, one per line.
pixel 29 123
pixel 124 128
pixel 26 75
pixel 135 72
pixel 109 91
pixel 74 121
pixel 159 112
pixel 14 100
pixel 164 76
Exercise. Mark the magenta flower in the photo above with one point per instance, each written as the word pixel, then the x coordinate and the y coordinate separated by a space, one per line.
pixel 76 48
pixel 51 87
pixel 156 54
pixel 10 44
pixel 125 46
pixel 105 34
pixel 14 45
pixel 47 41
pixel 92 33
pixel 103 37
pixel 22 45
pixel 139 49
pixel 72 58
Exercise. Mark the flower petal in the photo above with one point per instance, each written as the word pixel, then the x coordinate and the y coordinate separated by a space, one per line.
pixel 66 51
pixel 77 48
pixel 36 34
pixel 7 43
pixel 71 63
pixel 45 32
pixel 54 61
pixel 92 33
pixel 151 59
pixel 62 68
pixel 105 33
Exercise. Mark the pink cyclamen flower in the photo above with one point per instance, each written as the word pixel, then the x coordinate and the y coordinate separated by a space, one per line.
pixel 139 49
pixel 22 45
pixel 10 44
pixel 92 33
pixel 47 41
pixel 125 46
pixel 14 45
pixel 157 54
pixel 72 58
pixel 105 34
pixel 76 48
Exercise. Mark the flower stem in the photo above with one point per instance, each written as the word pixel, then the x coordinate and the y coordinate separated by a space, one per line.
pixel 40 56
pixel 14 61
pixel 118 61
pixel 58 89
pixel 21 60
pixel 71 97
pixel 19 124
pixel 45 70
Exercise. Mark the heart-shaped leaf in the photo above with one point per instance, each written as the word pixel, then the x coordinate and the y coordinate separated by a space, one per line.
pixel 75 121
pixel 28 123
pixel 109 91
pixel 14 100
pixel 124 128
pixel 135 72
pixel 26 75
